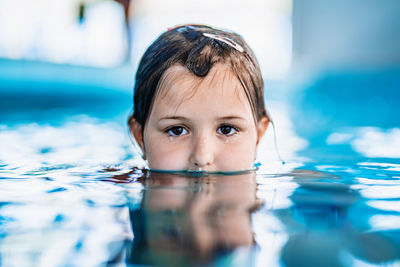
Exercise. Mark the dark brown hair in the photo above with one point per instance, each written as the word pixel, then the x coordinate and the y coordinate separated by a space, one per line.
pixel 198 48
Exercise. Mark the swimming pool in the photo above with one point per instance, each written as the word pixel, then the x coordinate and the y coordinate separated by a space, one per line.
pixel 69 195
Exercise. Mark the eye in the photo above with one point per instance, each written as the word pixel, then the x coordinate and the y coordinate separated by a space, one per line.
pixel 177 131
pixel 227 130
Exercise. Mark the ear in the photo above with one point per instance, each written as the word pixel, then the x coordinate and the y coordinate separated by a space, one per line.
pixel 262 126
pixel 136 131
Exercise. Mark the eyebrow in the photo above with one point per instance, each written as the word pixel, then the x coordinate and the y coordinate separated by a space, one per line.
pixel 231 118
pixel 174 118
pixel 186 119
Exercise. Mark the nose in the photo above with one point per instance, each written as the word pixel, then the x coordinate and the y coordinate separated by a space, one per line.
pixel 202 154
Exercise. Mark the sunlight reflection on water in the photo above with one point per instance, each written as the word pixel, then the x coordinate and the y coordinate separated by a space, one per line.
pixel 370 141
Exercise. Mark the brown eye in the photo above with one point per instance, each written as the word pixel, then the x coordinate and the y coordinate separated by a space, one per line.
pixel 227 130
pixel 177 131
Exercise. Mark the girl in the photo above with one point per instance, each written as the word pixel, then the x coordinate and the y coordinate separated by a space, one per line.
pixel 199 102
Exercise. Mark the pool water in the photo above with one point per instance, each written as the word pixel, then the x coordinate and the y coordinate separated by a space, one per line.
pixel 70 194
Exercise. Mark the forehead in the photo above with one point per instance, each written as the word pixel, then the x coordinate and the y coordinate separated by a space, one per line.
pixel 178 86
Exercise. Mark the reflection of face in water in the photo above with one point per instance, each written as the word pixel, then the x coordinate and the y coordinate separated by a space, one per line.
pixel 185 220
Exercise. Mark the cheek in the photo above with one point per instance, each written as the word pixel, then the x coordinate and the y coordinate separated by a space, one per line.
pixel 162 155
pixel 238 156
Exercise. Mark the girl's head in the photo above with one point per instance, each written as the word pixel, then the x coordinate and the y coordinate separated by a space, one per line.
pixel 199 102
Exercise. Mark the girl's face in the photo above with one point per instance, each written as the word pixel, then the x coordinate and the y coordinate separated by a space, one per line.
pixel 200 124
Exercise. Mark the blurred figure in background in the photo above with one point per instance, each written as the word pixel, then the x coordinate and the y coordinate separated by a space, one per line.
pixel 126 4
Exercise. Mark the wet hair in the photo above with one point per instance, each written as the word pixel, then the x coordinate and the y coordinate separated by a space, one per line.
pixel 198 48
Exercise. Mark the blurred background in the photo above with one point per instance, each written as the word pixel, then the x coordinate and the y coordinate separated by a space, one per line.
pixel 332 69
pixel 332 87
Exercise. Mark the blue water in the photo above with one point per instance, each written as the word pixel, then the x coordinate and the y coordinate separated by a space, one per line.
pixel 70 195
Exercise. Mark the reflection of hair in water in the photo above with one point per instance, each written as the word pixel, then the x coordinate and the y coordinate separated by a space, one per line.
pixel 136 252
pixel 170 236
